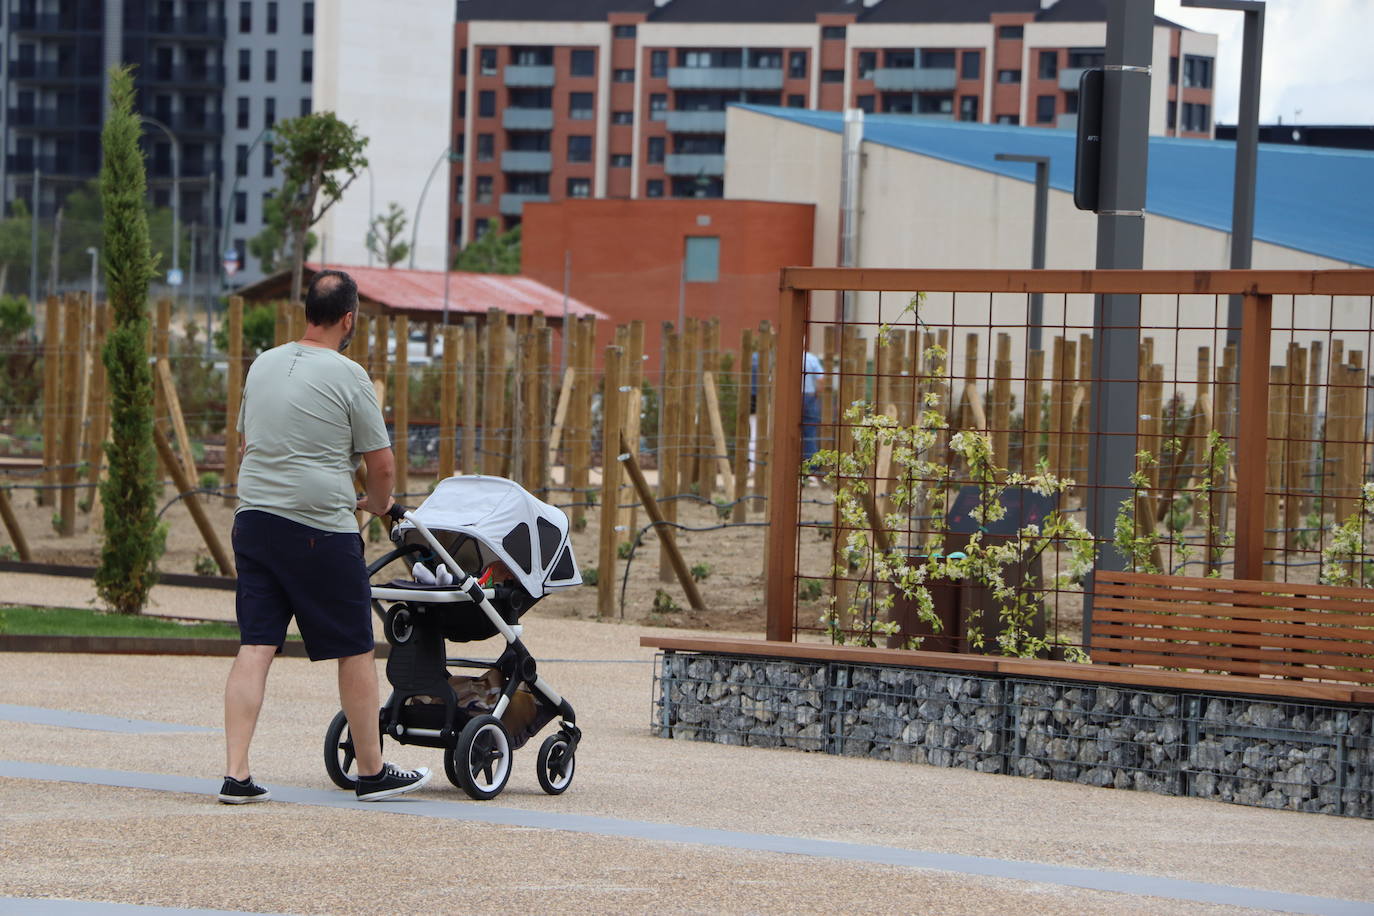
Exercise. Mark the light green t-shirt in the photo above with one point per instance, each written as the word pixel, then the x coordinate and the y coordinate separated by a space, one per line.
pixel 308 414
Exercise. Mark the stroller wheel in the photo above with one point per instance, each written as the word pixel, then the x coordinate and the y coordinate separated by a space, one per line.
pixel 555 764
pixel 480 762
pixel 339 758
pixel 399 626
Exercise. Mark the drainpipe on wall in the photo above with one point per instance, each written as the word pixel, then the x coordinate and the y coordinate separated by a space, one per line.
pixel 851 177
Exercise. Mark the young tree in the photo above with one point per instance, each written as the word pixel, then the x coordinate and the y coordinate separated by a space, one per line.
pixel 133 540
pixel 272 245
pixel 320 156
pixel 384 236
pixel 493 253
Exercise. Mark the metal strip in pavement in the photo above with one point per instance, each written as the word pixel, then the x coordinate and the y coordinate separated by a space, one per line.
pixel 485 813
pixel 65 718
pixel 49 906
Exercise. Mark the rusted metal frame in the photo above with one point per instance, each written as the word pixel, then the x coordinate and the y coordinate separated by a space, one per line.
pixel 1205 282
pixel 780 587
pixel 1252 435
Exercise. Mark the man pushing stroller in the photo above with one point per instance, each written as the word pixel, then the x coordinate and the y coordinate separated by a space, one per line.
pixel 308 413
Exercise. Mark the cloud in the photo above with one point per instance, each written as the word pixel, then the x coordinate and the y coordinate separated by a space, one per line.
pixel 1317 65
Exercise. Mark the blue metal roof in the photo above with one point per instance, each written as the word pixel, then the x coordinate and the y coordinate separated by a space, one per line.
pixel 1310 199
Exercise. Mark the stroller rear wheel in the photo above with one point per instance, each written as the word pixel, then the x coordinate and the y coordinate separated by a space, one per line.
pixel 555 764
pixel 479 763
pixel 339 757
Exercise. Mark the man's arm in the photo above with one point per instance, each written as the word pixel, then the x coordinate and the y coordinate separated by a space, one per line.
pixel 381 478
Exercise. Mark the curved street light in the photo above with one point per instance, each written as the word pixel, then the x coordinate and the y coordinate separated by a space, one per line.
pixel 176 188
pixel 233 188
pixel 446 156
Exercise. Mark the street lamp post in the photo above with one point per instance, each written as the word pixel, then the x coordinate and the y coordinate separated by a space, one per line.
pixel 234 187
pixel 176 189
pixel 1042 196
pixel 446 156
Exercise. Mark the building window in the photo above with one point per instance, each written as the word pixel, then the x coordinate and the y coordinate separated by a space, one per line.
pixel 868 62
pixel 1008 119
pixel 623 31
pixel 1196 118
pixel 271 17
pixel 832 32
pixel 968 108
pixel 240 206
pixel 622 117
pixel 486 104
pixel 658 106
pixel 796 100
pixel 1010 32
pixel 832 76
pixel 308 19
pixel 701 261
pixel 580 106
pixel 245 16
pixel 269 111
pixel 1173 71
pixel 1044 109
pixel 583 62
pixel 658 63
pixel 972 64
pixel 579 187
pixel 1008 76
pixel 486 145
pixel 305 107
pixel 1049 65
pixel 488 61
pixel 241 160
pixel 307 65
pixel 1071 103
pixel 580 148
pixel 926 103
pixel 620 160
pixel 480 227
pixel 271 65
pixel 267 156
pixel 1197 72
pixel 1172 116
pixel 796 64
pixel 937 60
pixel 653 187
pixel 245 65
pixel 1086 58
pixel 624 75
pixel 244 115
pixel 656 146
pixel 462 104
pixel 462 61
pixel 866 103
pixel 485 184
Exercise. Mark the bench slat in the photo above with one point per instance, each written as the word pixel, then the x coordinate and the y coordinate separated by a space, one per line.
pixel 1360 596
pixel 1237 667
pixel 1224 611
pixel 1354 652
pixel 1274 656
pixel 1317 629
pixel 1241 603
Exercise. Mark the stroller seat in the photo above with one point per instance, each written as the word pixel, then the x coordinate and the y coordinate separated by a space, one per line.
pixel 412 585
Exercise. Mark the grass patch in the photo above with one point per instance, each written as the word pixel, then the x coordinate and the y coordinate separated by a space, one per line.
pixel 36 621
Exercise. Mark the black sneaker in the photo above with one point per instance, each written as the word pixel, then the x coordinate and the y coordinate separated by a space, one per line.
pixel 390 782
pixel 242 792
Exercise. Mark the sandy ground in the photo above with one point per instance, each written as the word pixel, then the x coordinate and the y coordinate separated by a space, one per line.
pixel 99 843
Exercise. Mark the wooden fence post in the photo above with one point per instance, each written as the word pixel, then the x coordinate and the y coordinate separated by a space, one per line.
pixel 401 404
pixel 186 488
pixel 471 395
pixel 494 394
pixel 666 536
pixel 611 423
pixel 1251 434
pixel 739 513
pixel 71 419
pixel 100 406
pixel 234 394
pixel 52 397
pixel 448 404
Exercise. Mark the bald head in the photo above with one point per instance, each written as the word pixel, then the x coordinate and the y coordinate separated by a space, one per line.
pixel 331 296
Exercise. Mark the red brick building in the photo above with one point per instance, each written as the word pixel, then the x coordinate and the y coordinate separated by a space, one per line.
pixel 628 258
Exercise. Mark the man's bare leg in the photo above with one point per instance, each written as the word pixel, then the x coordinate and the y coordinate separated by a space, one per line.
pixel 243 693
pixel 358 696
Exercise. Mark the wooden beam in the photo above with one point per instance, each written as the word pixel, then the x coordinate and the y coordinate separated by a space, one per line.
pixel 560 416
pixel 1172 282
pixel 1251 444
pixel 71 415
pixel 612 420
pixel 401 410
pixel 186 487
pixel 785 436
pixel 173 407
pixel 21 544
pixel 233 377
pixel 667 537
pixel 708 387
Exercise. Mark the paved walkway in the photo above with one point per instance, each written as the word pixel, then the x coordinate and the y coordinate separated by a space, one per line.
pixel 101 801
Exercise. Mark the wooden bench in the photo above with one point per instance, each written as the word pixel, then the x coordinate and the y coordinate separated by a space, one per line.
pixel 1284 633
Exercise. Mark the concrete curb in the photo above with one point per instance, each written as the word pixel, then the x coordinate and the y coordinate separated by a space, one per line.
pixel 143 645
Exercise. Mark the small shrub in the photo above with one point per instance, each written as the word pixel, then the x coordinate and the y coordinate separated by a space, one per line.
pixel 589 576
pixel 624 550
pixel 209 481
pixel 8 553
pixel 664 603
pixel 579 523
pixel 809 589
pixel 206 566
pixel 57 522
pixel 723 508
pixel 701 572
pixel 374 531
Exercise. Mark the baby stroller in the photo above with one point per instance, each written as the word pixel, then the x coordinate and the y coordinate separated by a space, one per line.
pixel 483 551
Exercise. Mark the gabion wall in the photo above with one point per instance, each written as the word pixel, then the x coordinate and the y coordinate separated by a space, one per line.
pixel 1229 748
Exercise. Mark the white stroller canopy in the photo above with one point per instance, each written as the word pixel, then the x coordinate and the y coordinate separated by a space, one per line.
pixel 525 533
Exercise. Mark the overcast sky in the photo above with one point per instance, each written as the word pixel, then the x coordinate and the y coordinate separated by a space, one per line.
pixel 1318 65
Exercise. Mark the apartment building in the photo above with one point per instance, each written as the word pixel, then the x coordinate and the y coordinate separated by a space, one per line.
pixel 207 85
pixel 602 98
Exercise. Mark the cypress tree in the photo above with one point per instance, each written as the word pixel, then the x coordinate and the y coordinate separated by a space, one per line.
pixel 133 539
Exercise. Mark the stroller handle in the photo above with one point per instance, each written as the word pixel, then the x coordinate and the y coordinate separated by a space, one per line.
pixel 396 512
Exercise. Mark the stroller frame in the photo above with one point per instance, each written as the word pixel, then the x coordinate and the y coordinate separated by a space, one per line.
pixel 417 667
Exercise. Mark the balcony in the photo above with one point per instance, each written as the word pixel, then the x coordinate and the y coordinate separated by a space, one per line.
pixel 526 77
pixel 184 27
pixel 50 119
pixel 183 76
pixel 53 23
pixel 17 164
pixel 914 79
pixel 514 204
pixel 689 164
pixel 724 78
pixel 50 71
pixel 1067 122
pixel 1069 77
pixel 186 122
pixel 513 160
pixel 527 119
pixel 696 122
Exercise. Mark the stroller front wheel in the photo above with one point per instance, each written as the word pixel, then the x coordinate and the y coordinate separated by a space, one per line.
pixel 555 764
pixel 479 763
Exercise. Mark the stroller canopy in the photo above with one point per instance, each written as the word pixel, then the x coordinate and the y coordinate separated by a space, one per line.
pixel 525 533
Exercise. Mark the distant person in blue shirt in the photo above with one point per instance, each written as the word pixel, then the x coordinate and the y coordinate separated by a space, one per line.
pixel 812 372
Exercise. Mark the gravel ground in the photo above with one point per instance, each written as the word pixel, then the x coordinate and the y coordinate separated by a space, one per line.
pixel 135 846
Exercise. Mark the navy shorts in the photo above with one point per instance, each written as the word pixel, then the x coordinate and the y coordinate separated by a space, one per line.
pixel 287 570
